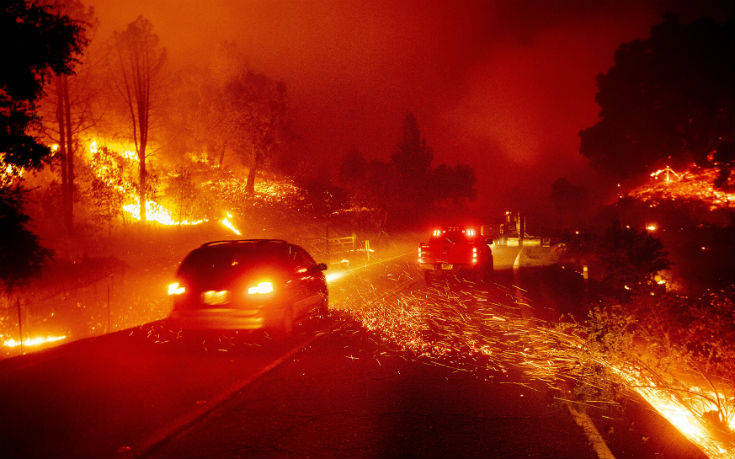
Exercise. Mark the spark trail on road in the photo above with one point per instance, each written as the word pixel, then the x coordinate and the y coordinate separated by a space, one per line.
pixel 494 331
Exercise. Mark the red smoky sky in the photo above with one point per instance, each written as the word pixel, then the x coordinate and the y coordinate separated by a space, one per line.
pixel 502 85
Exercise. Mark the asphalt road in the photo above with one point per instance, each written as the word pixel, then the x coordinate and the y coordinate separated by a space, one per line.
pixel 336 389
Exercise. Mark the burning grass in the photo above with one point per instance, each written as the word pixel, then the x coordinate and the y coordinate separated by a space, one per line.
pixel 494 332
pixel 693 184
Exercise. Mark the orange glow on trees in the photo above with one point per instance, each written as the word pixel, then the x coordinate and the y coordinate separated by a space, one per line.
pixel 139 60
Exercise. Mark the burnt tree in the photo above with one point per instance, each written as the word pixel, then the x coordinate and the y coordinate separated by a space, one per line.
pixel 139 63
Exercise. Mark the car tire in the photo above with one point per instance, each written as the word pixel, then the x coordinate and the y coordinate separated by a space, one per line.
pixel 323 308
pixel 286 327
pixel 489 272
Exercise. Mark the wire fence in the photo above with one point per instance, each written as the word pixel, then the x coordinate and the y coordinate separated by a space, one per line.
pixel 35 318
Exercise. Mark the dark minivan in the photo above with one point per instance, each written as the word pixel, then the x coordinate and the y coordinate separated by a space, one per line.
pixel 247 284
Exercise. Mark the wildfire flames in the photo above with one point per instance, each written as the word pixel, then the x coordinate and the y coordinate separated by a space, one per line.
pixel 693 184
pixel 471 330
pixel 37 341
pixel 227 223
pixel 154 211
pixel 684 409
pixel 9 174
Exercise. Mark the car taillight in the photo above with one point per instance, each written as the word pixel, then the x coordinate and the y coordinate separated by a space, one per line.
pixel 421 260
pixel 261 288
pixel 437 233
pixel 474 255
pixel 174 288
pixel 470 232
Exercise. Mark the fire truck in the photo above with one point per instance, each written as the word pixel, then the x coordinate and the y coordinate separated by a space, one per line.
pixel 456 250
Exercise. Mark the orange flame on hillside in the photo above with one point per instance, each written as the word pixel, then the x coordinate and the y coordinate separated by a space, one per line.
pixel 227 223
pixel 155 212
pixel 36 341
pixel 693 184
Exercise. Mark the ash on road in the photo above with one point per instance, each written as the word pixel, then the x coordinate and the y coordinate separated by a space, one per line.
pixel 349 393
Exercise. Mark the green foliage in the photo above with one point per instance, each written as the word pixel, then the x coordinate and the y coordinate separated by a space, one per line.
pixel 670 95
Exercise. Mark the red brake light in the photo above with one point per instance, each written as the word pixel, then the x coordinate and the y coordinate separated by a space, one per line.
pixel 261 288
pixel 437 233
pixel 470 232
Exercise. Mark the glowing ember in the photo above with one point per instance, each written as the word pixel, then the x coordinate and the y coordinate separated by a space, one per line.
pixel 695 184
pixel 470 329
pixel 37 341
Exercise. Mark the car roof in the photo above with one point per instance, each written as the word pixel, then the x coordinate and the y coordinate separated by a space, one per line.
pixel 244 242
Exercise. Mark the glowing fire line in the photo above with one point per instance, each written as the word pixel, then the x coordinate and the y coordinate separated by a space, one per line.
pixel 227 223
pixel 454 327
pixel 37 341
pixel 694 183
pixel 155 212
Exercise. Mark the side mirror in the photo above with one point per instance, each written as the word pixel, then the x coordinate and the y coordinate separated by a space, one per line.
pixel 319 267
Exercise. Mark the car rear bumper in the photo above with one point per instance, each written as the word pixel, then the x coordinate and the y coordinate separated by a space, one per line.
pixel 225 318
pixel 448 266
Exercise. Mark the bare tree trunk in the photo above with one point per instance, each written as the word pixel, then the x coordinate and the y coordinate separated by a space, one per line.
pixel 143 91
pixel 253 172
pixel 69 209
pixel 142 175
pixel 60 119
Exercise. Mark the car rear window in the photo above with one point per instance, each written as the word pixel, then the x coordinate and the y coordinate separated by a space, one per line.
pixel 224 260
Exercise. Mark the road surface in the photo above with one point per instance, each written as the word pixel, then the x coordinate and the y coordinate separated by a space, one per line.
pixel 348 385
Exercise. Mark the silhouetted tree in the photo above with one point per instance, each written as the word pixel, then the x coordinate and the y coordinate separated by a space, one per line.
pixel 453 183
pixel 258 106
pixel 569 200
pixel 198 117
pixel 670 95
pixel 353 167
pixel 21 254
pixel 36 44
pixel 69 104
pixel 139 61
pixel 412 161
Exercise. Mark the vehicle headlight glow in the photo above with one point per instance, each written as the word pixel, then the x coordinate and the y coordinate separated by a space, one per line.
pixel 175 288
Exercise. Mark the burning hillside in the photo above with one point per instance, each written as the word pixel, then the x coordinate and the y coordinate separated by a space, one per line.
pixel 692 184
pixel 113 167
